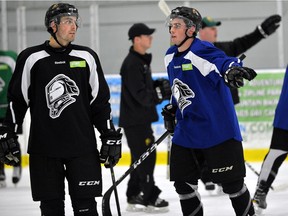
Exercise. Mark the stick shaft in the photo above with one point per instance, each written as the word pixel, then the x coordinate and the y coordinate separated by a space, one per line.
pixel 106 211
pixel 115 189
pixel 254 171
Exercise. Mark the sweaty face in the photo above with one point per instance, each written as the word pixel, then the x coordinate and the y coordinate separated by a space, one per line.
pixel 67 29
pixel 208 34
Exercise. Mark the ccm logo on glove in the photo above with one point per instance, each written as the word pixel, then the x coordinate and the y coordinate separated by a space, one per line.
pixel 113 142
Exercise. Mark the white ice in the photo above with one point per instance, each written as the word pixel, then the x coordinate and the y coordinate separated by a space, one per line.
pixel 17 201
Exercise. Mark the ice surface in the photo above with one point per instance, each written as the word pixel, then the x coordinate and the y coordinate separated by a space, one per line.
pixel 17 201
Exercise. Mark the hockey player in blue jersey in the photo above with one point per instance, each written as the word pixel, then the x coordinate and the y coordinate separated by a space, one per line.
pixel 207 127
pixel 278 150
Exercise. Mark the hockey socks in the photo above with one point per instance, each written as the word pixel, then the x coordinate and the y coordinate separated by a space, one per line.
pixel 242 203
pixel 84 207
pixel 189 199
pixel 53 207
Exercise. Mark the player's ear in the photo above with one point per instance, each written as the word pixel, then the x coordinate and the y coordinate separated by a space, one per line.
pixel 53 26
pixel 191 30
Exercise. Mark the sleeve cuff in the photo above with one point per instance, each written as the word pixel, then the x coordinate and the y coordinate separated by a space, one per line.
pixel 262 31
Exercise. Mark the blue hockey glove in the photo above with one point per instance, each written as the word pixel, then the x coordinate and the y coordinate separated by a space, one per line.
pixel 168 113
pixel 233 77
pixel 111 147
pixel 9 147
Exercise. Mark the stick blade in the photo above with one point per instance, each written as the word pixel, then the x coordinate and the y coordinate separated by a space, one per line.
pixel 164 7
pixel 106 203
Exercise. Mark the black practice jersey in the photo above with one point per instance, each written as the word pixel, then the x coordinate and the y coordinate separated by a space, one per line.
pixel 67 94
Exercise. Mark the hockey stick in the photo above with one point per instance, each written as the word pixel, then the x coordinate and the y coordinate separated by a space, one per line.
pixel 166 11
pixel 254 171
pixel 168 156
pixel 106 211
pixel 164 7
pixel 115 188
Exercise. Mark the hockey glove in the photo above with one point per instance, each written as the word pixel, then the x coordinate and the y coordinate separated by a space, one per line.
pixel 269 25
pixel 168 113
pixel 233 77
pixel 111 147
pixel 9 147
pixel 163 89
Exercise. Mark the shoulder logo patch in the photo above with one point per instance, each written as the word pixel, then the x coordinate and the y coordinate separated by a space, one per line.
pixel 77 64
pixel 186 67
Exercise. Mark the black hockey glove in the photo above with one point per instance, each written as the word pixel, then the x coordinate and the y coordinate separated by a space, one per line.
pixel 168 113
pixel 111 147
pixel 269 25
pixel 233 77
pixel 163 89
pixel 9 147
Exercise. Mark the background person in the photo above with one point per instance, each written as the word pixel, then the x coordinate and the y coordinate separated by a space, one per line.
pixel 209 32
pixel 137 112
pixel 7 66
pixel 207 126
pixel 64 86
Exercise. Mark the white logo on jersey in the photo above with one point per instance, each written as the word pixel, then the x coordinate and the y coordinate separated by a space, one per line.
pixel 59 92
pixel 60 62
pixel 181 93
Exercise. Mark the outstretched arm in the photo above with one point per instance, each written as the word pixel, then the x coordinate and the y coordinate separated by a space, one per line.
pixel 242 44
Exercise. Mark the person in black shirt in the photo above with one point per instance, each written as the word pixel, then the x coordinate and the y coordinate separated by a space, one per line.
pixel 64 87
pixel 137 112
pixel 239 45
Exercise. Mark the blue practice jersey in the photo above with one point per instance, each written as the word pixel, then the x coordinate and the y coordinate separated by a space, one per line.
pixel 281 115
pixel 205 110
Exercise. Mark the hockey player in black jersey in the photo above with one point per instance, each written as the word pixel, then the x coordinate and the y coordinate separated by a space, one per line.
pixel 63 86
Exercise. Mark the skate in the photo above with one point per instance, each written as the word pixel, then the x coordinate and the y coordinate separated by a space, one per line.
pixel 259 199
pixel 2 182
pixel 209 186
pixel 2 176
pixel 219 190
pixel 135 204
pixel 16 176
pixel 160 206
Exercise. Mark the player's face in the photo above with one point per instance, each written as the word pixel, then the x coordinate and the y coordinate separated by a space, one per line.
pixel 209 34
pixel 177 29
pixel 67 30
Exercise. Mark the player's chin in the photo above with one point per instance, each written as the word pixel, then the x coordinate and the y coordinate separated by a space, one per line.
pixel 173 40
pixel 72 37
